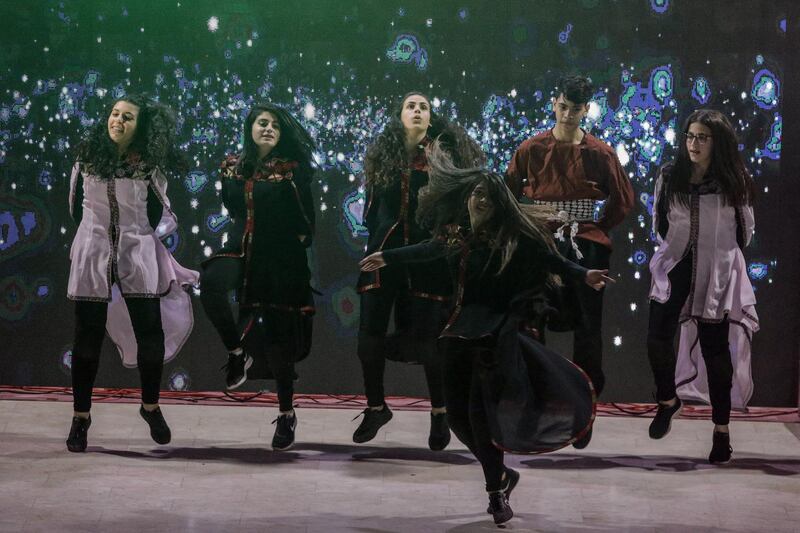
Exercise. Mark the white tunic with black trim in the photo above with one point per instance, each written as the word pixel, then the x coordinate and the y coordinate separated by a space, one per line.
pixel 720 289
pixel 117 254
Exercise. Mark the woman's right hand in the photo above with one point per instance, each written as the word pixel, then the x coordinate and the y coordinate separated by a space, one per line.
pixel 372 262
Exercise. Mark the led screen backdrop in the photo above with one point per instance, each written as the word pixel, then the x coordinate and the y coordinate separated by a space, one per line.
pixel 340 66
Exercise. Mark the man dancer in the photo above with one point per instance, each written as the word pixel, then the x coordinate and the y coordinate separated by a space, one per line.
pixel 580 176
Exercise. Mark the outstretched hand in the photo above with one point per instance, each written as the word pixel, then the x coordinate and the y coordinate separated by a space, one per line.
pixel 597 279
pixel 372 262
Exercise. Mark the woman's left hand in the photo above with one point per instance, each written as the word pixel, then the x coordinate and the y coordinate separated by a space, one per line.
pixel 372 262
pixel 597 279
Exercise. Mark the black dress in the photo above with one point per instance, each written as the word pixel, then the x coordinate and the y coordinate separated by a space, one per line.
pixel 534 399
pixel 270 210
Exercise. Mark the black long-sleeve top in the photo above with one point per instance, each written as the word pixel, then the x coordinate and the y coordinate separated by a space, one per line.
pixel 390 217
pixel 270 211
pixel 483 297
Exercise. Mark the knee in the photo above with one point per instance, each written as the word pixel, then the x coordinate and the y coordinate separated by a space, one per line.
pixel 370 347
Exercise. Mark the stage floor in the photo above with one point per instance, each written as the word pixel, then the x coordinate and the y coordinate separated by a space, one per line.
pixel 218 474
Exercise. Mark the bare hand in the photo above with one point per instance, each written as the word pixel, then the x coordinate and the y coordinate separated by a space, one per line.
pixel 597 279
pixel 372 262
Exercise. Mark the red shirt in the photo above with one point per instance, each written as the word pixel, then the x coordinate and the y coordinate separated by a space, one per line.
pixel 544 168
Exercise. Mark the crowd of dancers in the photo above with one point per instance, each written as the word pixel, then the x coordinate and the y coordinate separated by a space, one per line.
pixel 472 265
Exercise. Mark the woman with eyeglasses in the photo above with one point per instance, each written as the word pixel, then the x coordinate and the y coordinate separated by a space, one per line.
pixel 702 219
pixel 504 390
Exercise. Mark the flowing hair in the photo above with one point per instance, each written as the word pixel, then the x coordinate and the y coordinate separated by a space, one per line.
pixel 387 156
pixel 443 202
pixel 294 143
pixel 154 140
pixel 727 167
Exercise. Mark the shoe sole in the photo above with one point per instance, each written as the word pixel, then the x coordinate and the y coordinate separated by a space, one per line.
pixel 74 449
pixel 247 364
pixel 669 426
pixel 289 447
pixel 503 519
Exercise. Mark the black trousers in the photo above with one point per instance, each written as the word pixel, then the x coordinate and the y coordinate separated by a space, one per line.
pixel 587 303
pixel 418 321
pixel 713 337
pixel 90 330
pixel 466 414
pixel 218 278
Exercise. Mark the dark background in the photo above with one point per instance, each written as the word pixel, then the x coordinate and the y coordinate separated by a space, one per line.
pixel 490 66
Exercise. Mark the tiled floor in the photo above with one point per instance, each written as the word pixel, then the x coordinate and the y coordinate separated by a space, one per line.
pixel 219 475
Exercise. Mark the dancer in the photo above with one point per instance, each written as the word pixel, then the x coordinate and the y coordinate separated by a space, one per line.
pixel 702 218
pixel 122 278
pixel 579 176
pixel 266 190
pixel 395 169
pixel 504 390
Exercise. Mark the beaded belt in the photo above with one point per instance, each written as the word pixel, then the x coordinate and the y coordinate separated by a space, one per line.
pixel 569 213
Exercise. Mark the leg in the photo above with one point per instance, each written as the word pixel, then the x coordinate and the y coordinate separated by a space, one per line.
pixel 662 326
pixel 376 306
pixel 588 339
pixel 427 321
pixel 457 387
pixel 90 330
pixel 145 316
pixel 218 278
pixel 717 356
pixel 490 457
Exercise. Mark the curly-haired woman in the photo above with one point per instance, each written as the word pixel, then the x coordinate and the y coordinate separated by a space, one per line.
pixel 396 168
pixel 122 277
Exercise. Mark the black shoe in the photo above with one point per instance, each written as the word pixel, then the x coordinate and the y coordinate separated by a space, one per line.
pixel 76 441
pixel 662 422
pixel 373 421
pixel 159 430
pixel 512 478
pixel 284 432
pixel 584 441
pixel 721 451
pixel 236 369
pixel 439 436
pixel 499 508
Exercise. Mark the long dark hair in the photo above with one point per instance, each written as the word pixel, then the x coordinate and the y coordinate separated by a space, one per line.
pixel 443 201
pixel 727 167
pixel 294 144
pixel 153 141
pixel 387 156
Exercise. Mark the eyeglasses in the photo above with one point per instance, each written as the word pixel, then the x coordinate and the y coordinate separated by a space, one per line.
pixel 701 139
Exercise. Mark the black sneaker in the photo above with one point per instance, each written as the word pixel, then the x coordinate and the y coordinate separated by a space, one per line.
pixel 439 437
pixel 76 441
pixel 512 478
pixel 584 441
pixel 373 421
pixel 662 422
pixel 236 369
pixel 284 432
pixel 159 430
pixel 721 451
pixel 499 507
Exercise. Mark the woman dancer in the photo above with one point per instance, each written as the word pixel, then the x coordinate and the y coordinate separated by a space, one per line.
pixel 703 218
pixel 266 190
pixel 504 390
pixel 395 169
pixel 122 278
